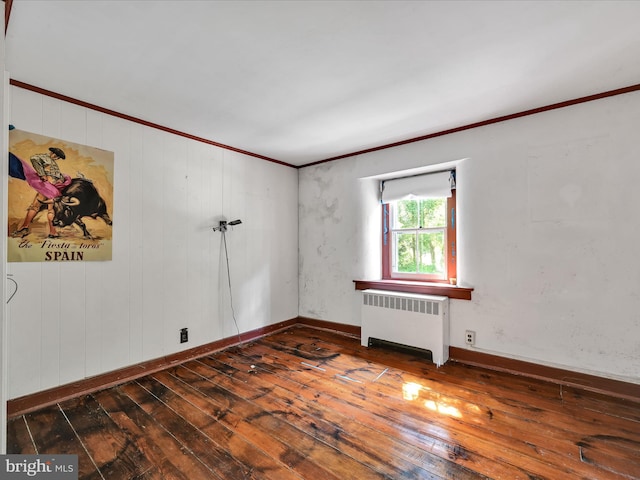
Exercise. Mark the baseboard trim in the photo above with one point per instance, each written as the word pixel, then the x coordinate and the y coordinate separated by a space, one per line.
pixel 29 403
pixel 583 381
pixel 340 327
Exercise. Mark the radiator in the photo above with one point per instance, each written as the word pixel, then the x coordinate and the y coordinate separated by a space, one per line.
pixel 419 321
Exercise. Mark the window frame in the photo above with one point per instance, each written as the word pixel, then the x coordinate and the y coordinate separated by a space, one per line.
pixel 450 250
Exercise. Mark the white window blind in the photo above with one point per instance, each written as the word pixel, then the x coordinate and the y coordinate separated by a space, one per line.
pixel 431 185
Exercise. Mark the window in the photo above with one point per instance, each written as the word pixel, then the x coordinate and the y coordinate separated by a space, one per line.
pixel 418 237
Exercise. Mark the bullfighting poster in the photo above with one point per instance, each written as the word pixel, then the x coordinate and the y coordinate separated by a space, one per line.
pixel 60 205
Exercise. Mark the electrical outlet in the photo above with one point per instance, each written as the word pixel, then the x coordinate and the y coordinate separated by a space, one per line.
pixel 470 337
pixel 184 335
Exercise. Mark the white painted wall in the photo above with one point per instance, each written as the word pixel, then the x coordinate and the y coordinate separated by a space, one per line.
pixel 74 320
pixel 548 235
pixel 4 169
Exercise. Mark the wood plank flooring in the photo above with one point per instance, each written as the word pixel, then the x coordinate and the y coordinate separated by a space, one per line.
pixel 308 403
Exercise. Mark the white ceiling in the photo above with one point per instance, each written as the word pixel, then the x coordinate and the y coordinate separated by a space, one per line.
pixel 302 81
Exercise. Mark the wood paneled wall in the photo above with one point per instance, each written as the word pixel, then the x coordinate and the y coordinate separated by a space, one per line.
pixel 74 320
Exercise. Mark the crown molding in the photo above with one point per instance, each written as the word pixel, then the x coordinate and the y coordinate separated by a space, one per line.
pixel 483 123
pixel 124 116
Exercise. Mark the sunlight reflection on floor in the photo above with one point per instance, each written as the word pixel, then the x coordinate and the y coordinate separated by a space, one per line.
pixel 411 391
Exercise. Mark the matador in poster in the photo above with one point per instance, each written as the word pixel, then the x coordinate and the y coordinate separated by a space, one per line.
pixel 60 200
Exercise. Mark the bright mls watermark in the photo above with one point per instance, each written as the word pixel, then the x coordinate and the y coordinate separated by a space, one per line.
pixel 50 467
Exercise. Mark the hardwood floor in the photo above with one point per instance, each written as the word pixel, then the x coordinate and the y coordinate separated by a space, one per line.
pixel 307 403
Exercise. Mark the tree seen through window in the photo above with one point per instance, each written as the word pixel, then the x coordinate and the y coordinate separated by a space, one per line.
pixel 418 229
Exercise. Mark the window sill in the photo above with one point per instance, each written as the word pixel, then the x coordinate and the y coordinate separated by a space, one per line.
pixel 451 291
